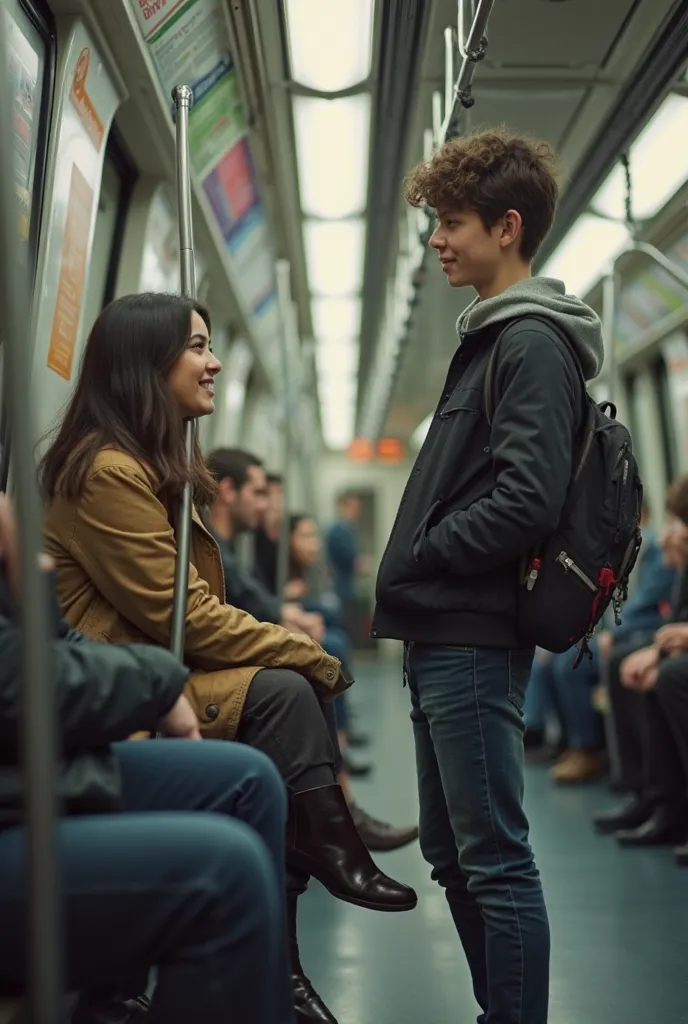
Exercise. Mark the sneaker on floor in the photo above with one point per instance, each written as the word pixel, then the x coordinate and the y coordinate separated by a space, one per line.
pixel 378 836
pixel 580 766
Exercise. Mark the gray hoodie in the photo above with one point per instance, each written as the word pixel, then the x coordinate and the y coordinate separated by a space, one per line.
pixel 547 297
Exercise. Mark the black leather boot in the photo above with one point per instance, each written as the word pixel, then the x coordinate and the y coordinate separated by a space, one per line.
pixel 378 836
pixel 663 828
pixel 322 839
pixel 309 1007
pixel 631 813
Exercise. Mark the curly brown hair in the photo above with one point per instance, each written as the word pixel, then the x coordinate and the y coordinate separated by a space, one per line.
pixel 491 172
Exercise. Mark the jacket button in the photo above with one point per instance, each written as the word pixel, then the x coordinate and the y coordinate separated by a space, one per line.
pixel 212 711
pixel 330 674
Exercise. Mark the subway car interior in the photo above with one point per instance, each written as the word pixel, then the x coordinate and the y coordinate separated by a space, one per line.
pixel 270 194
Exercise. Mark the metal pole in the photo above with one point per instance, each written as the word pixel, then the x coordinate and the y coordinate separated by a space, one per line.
pixel 183 98
pixel 284 299
pixel 473 50
pixel 39 719
pixel 608 317
pixel 448 78
pixel 677 272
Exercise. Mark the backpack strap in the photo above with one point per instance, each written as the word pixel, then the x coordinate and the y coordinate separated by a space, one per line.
pixel 559 335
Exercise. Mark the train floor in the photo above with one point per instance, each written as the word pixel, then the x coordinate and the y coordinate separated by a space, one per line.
pixel 619 918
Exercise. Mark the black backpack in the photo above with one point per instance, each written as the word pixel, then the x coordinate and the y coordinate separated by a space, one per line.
pixel 567 583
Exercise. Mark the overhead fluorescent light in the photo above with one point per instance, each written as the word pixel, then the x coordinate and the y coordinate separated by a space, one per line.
pixel 330 44
pixel 658 163
pixel 337 412
pixel 336 319
pixel 334 256
pixel 421 432
pixel 337 359
pixel 584 254
pixel 332 140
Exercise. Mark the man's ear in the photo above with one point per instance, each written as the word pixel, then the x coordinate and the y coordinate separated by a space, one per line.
pixel 511 224
pixel 227 491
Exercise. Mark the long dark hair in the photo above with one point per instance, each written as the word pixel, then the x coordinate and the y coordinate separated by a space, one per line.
pixel 122 399
pixel 296 570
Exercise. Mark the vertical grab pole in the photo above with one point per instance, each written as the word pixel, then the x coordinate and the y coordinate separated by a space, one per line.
pixel 183 98
pixel 39 715
pixel 284 299
pixel 608 315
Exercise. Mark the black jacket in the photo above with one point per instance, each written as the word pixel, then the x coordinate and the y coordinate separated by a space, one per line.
pixel 103 693
pixel 480 497
pixel 243 590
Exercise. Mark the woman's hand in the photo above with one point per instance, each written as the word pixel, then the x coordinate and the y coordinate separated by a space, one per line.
pixel 638 668
pixel 9 548
pixel 673 637
pixel 294 590
pixel 180 722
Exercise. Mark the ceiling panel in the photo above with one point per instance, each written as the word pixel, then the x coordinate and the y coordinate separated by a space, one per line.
pixel 538 33
pixel 544 115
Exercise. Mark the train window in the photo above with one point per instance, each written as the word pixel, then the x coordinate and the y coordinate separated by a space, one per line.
pixel 662 390
pixel 28 33
pixel 31 52
pixel 119 175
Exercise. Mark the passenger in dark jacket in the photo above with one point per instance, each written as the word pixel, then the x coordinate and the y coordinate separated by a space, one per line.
pixel 643 614
pixel 481 496
pixel 197 895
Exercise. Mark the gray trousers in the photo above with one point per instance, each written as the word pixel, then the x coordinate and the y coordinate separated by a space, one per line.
pixel 284 718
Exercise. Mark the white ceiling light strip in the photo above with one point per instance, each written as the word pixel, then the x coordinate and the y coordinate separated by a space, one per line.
pixel 334 256
pixel 330 49
pixel 332 140
pixel 330 42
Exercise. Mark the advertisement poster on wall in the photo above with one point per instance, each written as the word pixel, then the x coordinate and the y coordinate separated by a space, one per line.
pixel 188 43
pixel 25 75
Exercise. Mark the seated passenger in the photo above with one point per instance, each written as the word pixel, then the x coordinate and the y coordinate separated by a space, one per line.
pixel 268 534
pixel 237 508
pixel 113 478
pixel 651 770
pixel 642 616
pixel 304 556
pixel 193 893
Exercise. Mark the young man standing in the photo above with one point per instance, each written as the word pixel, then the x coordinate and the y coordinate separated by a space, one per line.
pixel 480 497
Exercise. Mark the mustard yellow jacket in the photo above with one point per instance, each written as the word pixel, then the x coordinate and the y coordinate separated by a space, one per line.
pixel 115 552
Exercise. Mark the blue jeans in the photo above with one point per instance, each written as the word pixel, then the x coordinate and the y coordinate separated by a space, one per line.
pixel 539 703
pixel 199 895
pixel 573 687
pixel 467 707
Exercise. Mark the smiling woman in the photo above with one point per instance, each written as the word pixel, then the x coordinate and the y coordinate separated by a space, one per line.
pixel 192 378
pixel 147 360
